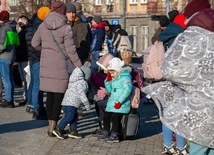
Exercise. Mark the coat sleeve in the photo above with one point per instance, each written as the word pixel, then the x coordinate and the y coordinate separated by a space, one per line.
pixel 127 88
pixel 3 34
pixel 100 39
pixel 37 40
pixel 70 47
pixel 82 33
pixel 155 36
pixel 82 90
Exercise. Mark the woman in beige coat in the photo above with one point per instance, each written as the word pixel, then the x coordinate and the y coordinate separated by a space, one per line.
pixel 53 69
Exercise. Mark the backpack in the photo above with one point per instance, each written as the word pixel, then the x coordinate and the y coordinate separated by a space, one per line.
pixel 152 61
pixel 135 97
pixel 124 43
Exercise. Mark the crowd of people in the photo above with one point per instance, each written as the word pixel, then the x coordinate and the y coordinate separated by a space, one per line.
pixel 105 77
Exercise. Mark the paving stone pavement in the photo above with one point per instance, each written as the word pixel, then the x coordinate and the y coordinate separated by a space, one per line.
pixel 20 135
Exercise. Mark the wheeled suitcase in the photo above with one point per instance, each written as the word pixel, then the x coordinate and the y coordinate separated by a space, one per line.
pixel 130 124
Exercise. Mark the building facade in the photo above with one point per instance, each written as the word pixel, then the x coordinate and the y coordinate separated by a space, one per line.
pixel 138 17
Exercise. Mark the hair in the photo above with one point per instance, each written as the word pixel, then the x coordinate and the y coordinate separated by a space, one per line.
pixel 25 18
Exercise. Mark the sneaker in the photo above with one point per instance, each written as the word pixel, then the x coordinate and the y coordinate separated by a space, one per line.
pixel 104 135
pixel 74 134
pixel 23 103
pixel 113 138
pixel 183 151
pixel 59 133
pixel 169 150
pixel 37 115
pixel 29 109
pixel 6 104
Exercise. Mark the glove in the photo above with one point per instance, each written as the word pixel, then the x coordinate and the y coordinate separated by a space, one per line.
pixel 101 93
pixel 117 105
pixel 108 78
pixel 88 107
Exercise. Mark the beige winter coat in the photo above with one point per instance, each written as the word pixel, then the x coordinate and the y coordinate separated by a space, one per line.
pixel 53 68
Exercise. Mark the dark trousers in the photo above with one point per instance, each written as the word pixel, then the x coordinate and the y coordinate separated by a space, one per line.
pixel 115 118
pixel 100 108
pixel 53 105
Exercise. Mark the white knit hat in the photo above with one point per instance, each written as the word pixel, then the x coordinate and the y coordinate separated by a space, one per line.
pixel 115 64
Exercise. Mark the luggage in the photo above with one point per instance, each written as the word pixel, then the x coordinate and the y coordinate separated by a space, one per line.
pixel 130 125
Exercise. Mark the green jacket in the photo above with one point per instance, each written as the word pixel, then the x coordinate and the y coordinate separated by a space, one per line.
pixel 9 39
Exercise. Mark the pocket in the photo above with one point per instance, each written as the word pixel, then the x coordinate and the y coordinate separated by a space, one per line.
pixel 147 71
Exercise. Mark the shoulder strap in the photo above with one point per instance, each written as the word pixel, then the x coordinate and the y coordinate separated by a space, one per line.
pixel 59 48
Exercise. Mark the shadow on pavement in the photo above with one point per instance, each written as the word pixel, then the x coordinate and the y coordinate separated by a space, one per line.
pixel 22 126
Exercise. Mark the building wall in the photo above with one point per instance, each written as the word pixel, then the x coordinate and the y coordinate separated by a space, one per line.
pixel 140 20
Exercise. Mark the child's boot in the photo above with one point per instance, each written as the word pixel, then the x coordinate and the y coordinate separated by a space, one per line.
pixel 169 150
pixel 74 134
pixel 104 135
pixel 59 133
pixel 114 138
pixel 183 151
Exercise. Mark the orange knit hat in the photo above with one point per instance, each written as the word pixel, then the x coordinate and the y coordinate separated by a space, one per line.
pixel 42 12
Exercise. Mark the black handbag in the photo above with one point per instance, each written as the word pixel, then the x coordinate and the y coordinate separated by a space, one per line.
pixel 70 66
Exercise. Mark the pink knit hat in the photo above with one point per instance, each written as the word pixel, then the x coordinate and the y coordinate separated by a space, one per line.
pixel 103 61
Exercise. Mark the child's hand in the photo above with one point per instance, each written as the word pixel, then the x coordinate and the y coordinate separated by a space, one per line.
pixel 108 78
pixel 101 93
pixel 88 107
pixel 117 105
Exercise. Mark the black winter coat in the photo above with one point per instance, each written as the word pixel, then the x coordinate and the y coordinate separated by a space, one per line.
pixel 33 54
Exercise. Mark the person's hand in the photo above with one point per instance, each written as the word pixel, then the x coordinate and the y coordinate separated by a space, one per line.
pixel 117 105
pixel 101 93
pixel 108 78
pixel 88 107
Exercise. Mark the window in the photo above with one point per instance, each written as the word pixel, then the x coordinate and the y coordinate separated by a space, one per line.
pixel 133 33
pixel 98 2
pixel 13 2
pixel 144 37
pixel 133 30
pixel 144 1
pixel 133 1
pixel 109 2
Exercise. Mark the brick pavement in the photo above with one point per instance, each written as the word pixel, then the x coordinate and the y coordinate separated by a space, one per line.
pixel 20 135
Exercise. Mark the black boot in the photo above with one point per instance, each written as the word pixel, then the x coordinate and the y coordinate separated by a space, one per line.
pixel 7 104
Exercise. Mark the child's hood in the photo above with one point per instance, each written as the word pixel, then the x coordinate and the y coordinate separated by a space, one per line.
pixel 125 71
pixel 76 75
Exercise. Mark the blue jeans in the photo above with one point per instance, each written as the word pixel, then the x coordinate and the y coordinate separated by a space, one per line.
pixel 70 117
pixel 167 138
pixel 94 59
pixel 114 52
pixel 197 149
pixel 35 96
pixel 21 66
pixel 6 71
